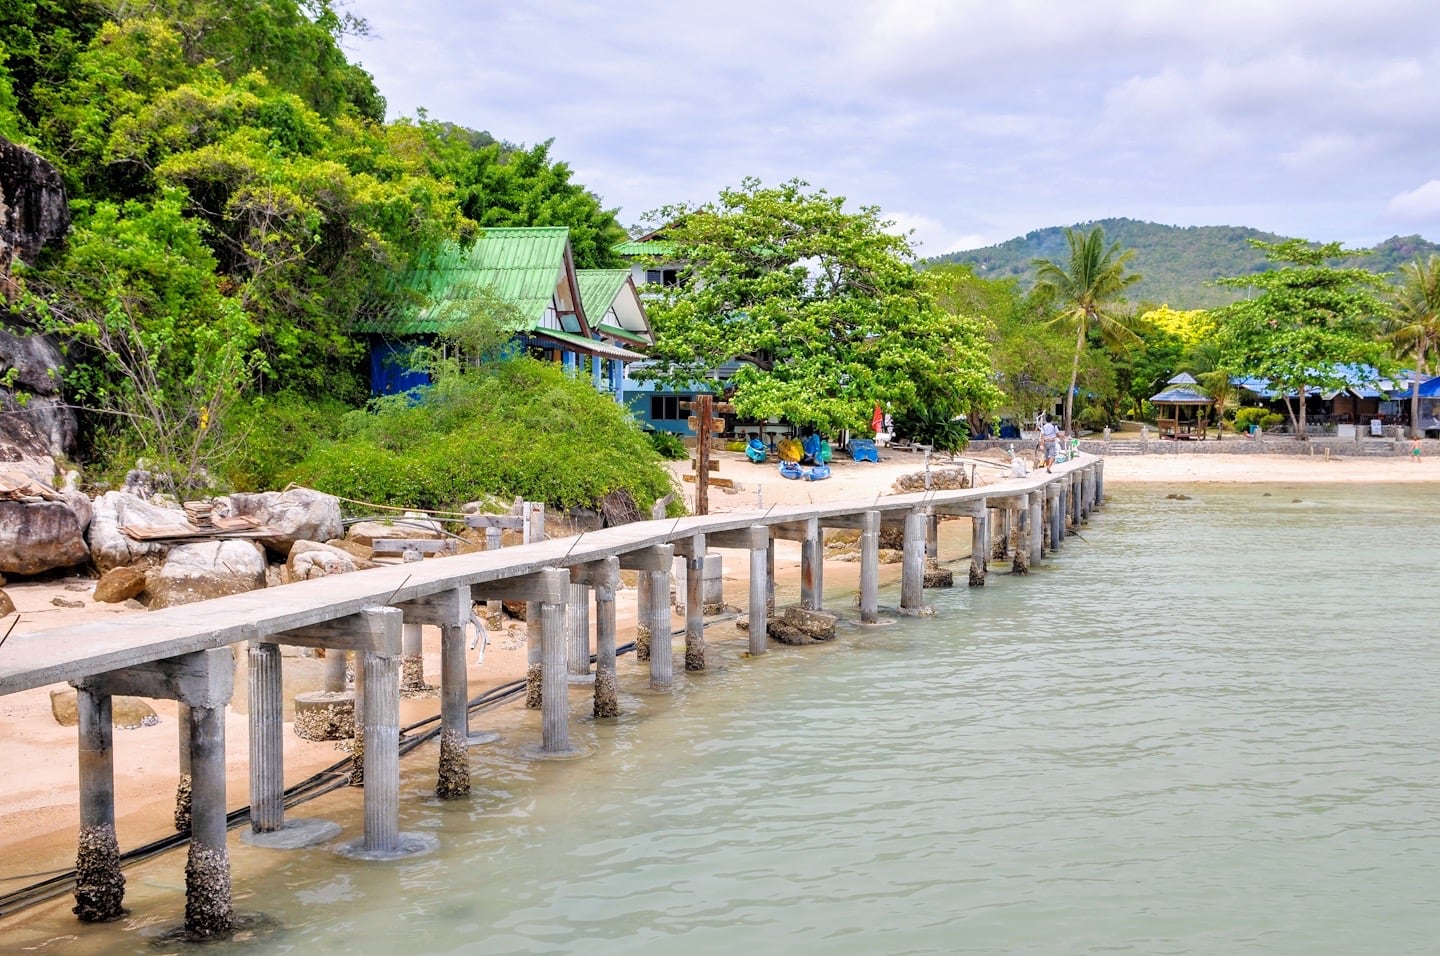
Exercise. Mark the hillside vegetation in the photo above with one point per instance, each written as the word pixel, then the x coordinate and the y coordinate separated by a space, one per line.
pixel 1178 265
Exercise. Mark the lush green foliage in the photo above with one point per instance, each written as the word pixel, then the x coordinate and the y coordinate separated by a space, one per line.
pixel 239 164
pixel 509 428
pixel 671 446
pixel 1310 319
pixel 1086 289
pixel 821 306
pixel 1179 265
pixel 1413 326
pixel 273 433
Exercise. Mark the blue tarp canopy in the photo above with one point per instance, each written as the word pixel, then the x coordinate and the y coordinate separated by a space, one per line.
pixel 1428 389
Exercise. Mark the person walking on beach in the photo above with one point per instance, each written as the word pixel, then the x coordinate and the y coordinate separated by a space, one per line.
pixel 1415 450
pixel 1050 436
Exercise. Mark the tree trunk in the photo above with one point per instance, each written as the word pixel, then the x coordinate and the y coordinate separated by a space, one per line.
pixel 1300 415
pixel 1074 377
pixel 1290 411
pixel 1415 402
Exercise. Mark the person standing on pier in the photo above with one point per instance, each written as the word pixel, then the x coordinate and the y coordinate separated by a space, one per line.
pixel 1050 437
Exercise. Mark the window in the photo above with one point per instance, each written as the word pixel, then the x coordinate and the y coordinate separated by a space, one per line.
pixel 666 408
pixel 662 277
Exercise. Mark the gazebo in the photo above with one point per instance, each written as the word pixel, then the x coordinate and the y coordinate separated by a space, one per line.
pixel 1182 408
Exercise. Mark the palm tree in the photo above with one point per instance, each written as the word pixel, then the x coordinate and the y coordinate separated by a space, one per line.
pixel 1087 287
pixel 1413 326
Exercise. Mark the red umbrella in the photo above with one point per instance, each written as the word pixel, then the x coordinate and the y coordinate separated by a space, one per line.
pixel 877 420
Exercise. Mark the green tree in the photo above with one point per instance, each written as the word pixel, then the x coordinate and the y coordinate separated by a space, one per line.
pixel 1207 362
pixel 1413 325
pixel 1309 321
pixel 820 304
pixel 1087 288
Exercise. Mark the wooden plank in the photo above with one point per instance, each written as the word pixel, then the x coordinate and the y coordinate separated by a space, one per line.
pixel 507 522
pixel 717 482
pixel 423 545
pixel 695 465
pixel 693 423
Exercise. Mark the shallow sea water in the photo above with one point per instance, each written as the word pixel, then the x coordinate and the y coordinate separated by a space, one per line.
pixel 1211 726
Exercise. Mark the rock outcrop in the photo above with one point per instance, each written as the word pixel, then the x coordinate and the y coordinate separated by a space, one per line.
pixel 300 514
pixel 112 548
pixel 40 536
pixel 204 570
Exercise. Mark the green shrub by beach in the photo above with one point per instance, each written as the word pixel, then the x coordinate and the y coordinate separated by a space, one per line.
pixel 514 428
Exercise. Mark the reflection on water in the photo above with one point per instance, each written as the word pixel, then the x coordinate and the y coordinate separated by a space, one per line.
pixel 1210 727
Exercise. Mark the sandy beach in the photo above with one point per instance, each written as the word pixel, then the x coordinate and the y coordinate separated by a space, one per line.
pixel 38 794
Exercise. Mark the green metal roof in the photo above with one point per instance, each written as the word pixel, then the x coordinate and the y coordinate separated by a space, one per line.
pixel 522 264
pixel 615 332
pixel 598 289
pixel 651 247
pixel 580 343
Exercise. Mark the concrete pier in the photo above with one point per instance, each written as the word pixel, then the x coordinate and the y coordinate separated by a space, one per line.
pixel 695 563
pixel 1020 562
pixel 869 567
pixel 412 667
pixel 577 628
pixel 912 568
pixel 603 577
pixel 979 548
pixel 812 566
pixel 99 884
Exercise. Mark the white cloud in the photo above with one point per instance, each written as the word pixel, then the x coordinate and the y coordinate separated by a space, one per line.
pixel 1420 205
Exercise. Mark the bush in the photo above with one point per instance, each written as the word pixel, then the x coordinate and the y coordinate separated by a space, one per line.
pixel 940 431
pixel 274 433
pixel 517 427
pixel 1254 415
pixel 668 445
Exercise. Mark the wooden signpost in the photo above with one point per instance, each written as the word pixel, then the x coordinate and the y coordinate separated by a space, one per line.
pixel 705 424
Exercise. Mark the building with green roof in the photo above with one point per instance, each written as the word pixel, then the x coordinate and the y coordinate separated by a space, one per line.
pixel 530 267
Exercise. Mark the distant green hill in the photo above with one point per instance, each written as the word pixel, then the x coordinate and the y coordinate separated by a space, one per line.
pixel 1178 264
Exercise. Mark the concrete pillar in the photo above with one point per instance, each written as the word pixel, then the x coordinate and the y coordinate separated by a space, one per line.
pixel 335 661
pixel 381 715
pixel 1072 490
pixel 534 530
pixel 695 605
pixel 182 790
pixel 1055 497
pixel 1037 525
pixel 662 653
pixel 762 588
pixel 267 745
pixel 912 569
pixel 1020 517
pixel 99 884
pixel 979 547
pixel 869 567
pixel 642 617
pixel 607 698
pixel 209 911
pixel 1100 483
pixel 554 710
pixel 454 773
pixel 812 567
pixel 932 537
pixel 577 626
pixel 412 667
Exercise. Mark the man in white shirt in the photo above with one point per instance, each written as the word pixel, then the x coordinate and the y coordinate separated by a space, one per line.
pixel 1050 435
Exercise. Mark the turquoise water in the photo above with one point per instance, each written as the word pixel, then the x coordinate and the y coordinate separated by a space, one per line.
pixel 1212 726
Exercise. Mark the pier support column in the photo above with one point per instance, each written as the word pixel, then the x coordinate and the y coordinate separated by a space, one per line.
pixel 454 773
pixel 1100 483
pixel 769 576
pixel 577 625
pixel 1037 525
pixel 869 567
pixel 267 746
pixel 912 568
pixel 642 617
pixel 605 583
pixel 381 716
pixel 182 790
pixel 1054 498
pixel 932 538
pixel 412 667
pixel 99 884
pixel 1020 516
pixel 695 604
pixel 756 539
pixel 203 681
pixel 812 566
pixel 1073 490
pixel 336 662
pixel 662 650
pixel 554 709
pixel 209 910
pixel 979 548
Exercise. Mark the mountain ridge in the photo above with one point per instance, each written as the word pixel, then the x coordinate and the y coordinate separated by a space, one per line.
pixel 1178 264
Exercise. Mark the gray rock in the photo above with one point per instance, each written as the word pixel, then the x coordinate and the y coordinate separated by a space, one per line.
pixel 111 548
pixel 366 532
pixel 311 559
pixel 298 514
pixel 35 211
pixel 38 537
pixel 204 570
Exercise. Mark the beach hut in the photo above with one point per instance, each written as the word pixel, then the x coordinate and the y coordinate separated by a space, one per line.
pixel 1182 409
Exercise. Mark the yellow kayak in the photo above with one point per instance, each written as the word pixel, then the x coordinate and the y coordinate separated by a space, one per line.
pixel 789 449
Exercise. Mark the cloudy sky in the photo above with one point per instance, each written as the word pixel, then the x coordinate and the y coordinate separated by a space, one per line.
pixel 968 121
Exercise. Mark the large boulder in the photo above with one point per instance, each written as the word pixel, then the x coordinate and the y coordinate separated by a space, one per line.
pixel 40 536
pixel 204 570
pixel 311 559
pixel 300 514
pixel 112 548
pixel 33 207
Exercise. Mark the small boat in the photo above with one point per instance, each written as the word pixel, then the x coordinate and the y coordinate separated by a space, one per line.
pixel 816 472
pixel 756 451
pixel 790 469
pixel 790 450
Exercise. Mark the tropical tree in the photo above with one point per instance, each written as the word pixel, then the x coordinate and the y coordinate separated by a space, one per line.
pixel 1087 288
pixel 818 303
pixel 1310 320
pixel 1413 326
pixel 1206 361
